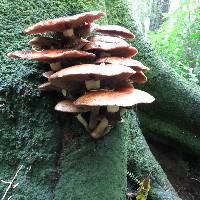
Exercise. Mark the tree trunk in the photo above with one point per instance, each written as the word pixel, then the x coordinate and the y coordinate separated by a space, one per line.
pixel 51 145
pixel 159 7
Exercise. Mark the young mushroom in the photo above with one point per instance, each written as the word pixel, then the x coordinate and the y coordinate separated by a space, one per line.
pixel 123 97
pixel 68 106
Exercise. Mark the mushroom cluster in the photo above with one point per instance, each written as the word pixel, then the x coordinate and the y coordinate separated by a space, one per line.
pixel 91 66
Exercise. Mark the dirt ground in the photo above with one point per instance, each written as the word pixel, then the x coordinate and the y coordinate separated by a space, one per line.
pixel 183 170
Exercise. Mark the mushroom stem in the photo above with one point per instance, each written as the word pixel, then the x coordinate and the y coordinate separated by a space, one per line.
pixel 92 84
pixel 55 66
pixel 112 109
pixel 93 118
pixel 100 129
pixel 64 92
pixel 69 32
pixel 83 122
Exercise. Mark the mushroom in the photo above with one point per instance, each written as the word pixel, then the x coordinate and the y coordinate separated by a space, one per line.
pixel 90 74
pixel 139 77
pixel 54 56
pixel 134 64
pixel 64 24
pixel 123 97
pixel 45 42
pixel 68 106
pixel 51 43
pixel 115 30
pixel 112 45
pixel 111 49
pixel 107 39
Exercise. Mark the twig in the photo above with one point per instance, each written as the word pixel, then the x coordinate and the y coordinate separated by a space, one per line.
pixel 10 182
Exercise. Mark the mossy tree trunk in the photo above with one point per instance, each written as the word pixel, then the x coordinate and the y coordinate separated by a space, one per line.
pixel 61 161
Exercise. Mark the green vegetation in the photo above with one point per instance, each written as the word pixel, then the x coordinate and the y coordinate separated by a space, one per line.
pixel 178 40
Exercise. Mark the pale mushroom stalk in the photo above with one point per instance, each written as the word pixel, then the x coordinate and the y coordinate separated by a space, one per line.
pixel 83 122
pixel 112 109
pixel 99 131
pixel 64 92
pixel 55 66
pixel 92 84
pixel 93 118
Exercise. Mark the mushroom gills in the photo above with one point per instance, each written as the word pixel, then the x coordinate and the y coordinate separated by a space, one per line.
pixel 55 66
pixel 92 84
pixel 112 109
pixel 99 131
pixel 93 118
pixel 69 32
pixel 83 122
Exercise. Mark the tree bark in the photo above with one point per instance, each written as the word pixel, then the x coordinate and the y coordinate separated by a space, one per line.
pixel 31 132
pixel 158 8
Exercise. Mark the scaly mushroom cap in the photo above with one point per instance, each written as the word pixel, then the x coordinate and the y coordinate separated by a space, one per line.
pixel 122 97
pixel 134 64
pixel 51 55
pixel 68 106
pixel 115 30
pixel 63 23
pixel 79 73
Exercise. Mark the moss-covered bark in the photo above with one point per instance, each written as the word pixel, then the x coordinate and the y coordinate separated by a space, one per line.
pixel 31 132
pixel 142 163
pixel 164 131
pixel 94 169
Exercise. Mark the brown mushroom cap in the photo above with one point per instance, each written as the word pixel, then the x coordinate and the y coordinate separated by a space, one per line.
pixel 79 73
pixel 63 23
pixel 51 55
pixel 68 106
pixel 115 30
pixel 122 97
pixel 139 77
pixel 134 64
pixel 111 48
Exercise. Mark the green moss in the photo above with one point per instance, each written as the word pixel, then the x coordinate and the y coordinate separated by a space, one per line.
pixel 142 163
pixel 167 130
pixel 94 169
